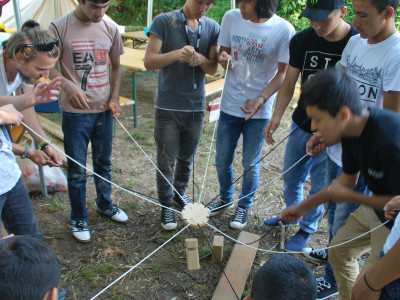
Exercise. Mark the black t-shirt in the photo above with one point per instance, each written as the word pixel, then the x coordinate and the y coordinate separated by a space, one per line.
pixel 311 53
pixel 376 153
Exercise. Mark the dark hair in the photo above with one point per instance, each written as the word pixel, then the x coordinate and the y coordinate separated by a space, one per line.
pixel 95 1
pixel 330 90
pixel 383 4
pixel 28 268
pixel 284 277
pixel 264 8
pixel 31 33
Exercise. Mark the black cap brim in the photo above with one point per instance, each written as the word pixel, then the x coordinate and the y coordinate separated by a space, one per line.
pixel 314 14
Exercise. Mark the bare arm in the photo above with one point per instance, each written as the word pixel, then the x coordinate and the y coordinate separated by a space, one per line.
pixel 208 65
pixel 71 91
pixel 293 213
pixel 115 78
pixel 276 82
pixel 391 100
pixel 9 115
pixel 283 99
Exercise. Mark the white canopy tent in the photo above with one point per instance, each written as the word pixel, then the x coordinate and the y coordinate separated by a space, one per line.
pixel 43 11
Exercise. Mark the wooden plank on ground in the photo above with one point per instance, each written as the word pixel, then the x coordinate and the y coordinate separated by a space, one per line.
pixel 238 268
pixel 51 127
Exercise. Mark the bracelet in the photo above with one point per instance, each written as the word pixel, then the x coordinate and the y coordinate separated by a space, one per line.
pixel 44 146
pixel 42 143
pixel 366 282
pixel 23 156
pixel 261 96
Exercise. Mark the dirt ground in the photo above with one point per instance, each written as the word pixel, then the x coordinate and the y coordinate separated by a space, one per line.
pixel 88 268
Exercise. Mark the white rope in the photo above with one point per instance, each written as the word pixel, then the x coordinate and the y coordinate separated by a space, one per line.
pixel 294 252
pixel 138 264
pixel 212 139
pixel 141 149
pixel 263 186
pixel 101 177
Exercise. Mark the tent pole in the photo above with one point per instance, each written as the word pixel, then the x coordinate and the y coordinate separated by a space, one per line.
pixel 17 14
pixel 149 12
pixel 233 4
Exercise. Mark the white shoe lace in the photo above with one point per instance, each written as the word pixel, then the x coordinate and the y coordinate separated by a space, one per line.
pixel 239 214
pixel 322 284
pixel 169 217
pixel 216 204
pixel 319 252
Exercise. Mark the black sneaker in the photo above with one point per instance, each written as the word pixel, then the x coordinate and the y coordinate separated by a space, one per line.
pixel 239 219
pixel 168 221
pixel 217 206
pixel 325 289
pixel 182 201
pixel 315 254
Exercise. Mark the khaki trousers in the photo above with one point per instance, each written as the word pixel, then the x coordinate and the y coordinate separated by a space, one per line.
pixel 344 258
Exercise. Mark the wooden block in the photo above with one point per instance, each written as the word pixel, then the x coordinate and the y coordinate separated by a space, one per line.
pixel 192 254
pixel 238 268
pixel 218 249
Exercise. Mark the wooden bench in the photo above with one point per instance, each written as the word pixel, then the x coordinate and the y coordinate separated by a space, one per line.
pixel 214 87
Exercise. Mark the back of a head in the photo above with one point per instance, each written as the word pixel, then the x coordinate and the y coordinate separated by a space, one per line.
pixel 284 277
pixel 32 34
pixel 28 268
pixel 330 90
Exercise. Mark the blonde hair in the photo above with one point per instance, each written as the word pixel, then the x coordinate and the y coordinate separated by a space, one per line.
pixel 31 33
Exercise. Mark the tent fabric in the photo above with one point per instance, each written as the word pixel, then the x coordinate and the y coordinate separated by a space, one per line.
pixel 43 11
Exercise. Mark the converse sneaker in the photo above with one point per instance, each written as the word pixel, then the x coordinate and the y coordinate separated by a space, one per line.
pixel 182 200
pixel 80 231
pixel 315 254
pixel 116 214
pixel 218 206
pixel 239 219
pixel 168 221
pixel 325 289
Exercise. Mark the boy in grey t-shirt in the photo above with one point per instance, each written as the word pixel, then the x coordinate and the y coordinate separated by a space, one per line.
pixel 183 46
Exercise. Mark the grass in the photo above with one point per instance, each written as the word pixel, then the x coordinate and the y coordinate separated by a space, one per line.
pixel 90 274
pixel 55 206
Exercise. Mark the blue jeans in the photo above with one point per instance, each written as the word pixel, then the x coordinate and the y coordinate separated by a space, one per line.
pixel 337 213
pixel 293 181
pixel 16 211
pixel 229 130
pixel 78 130
pixel 177 135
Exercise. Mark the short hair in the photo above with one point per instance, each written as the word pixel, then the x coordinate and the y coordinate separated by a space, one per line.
pixel 264 8
pixel 28 268
pixel 31 33
pixel 284 277
pixel 330 90
pixel 381 5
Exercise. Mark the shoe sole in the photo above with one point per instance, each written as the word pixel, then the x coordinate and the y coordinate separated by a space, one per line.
pixel 326 297
pixel 214 213
pixel 312 259
pixel 121 222
pixel 166 227
pixel 239 227
pixel 82 241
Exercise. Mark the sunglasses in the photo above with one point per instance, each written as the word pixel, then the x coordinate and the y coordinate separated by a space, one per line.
pixel 48 46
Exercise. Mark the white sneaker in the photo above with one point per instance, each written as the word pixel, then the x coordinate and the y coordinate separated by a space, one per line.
pixel 80 231
pixel 116 214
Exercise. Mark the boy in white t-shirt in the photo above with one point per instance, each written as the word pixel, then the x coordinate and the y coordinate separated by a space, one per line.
pixel 256 42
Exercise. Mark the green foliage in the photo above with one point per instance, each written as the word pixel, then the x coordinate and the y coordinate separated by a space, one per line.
pixel 134 12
